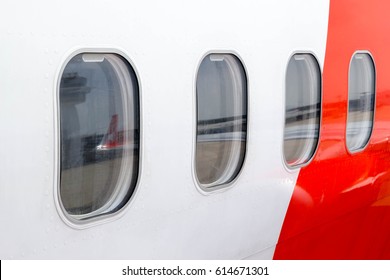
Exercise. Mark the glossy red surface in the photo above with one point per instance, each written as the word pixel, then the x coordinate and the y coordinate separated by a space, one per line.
pixel 340 208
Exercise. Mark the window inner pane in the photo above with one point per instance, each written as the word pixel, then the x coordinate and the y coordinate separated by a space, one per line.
pixel 361 101
pixel 221 115
pixel 99 134
pixel 303 106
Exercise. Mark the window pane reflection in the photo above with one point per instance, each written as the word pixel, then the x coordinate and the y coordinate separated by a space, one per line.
pixel 303 106
pixel 221 119
pixel 361 100
pixel 99 134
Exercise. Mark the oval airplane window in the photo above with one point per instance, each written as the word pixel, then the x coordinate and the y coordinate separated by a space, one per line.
pixel 221 95
pixel 99 135
pixel 302 109
pixel 361 101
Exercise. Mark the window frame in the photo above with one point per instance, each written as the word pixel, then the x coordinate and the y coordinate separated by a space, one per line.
pixel 320 68
pixel 62 212
pixel 202 188
pixel 352 152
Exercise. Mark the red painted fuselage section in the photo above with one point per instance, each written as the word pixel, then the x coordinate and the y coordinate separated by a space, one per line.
pixel 340 208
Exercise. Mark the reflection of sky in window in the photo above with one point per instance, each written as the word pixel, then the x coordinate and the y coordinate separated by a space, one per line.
pixel 301 78
pixel 361 77
pixel 102 102
pixel 217 89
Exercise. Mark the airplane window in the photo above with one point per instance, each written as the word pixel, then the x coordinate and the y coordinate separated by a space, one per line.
pixel 361 101
pixel 221 92
pixel 302 109
pixel 99 135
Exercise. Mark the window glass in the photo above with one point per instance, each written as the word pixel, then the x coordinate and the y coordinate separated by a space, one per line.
pixel 99 126
pixel 221 92
pixel 302 111
pixel 361 100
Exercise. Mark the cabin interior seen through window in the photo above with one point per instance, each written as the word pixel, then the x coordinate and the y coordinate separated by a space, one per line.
pixel 99 134
pixel 221 94
pixel 361 101
pixel 302 110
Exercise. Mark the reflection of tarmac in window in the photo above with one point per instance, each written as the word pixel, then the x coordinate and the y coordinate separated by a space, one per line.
pixel 214 157
pixel 87 188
